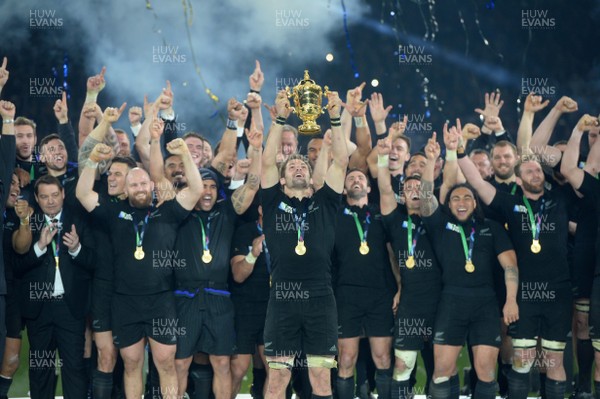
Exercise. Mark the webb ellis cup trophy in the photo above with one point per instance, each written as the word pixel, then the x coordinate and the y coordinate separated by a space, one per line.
pixel 307 96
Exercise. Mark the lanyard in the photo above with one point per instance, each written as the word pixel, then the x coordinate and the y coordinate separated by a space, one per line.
pixel 537 221
pixel 513 190
pixel 205 232
pixel 411 241
pixel 56 246
pixel 362 233
pixel 300 220
pixel 139 236
pixel 468 248
pixel 267 256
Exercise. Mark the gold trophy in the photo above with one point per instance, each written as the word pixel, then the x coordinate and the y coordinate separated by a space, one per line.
pixel 307 104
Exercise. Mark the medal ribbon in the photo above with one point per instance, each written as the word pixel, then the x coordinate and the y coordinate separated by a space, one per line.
pixel 300 220
pixel 412 241
pixel 205 233
pixel 537 222
pixel 267 256
pixel 56 246
pixel 467 248
pixel 139 236
pixel 513 190
pixel 362 234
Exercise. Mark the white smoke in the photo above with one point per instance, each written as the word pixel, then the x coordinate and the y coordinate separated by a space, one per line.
pixel 142 47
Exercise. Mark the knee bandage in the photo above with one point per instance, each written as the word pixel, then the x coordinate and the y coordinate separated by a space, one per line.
pixel 519 365
pixel 582 307
pixel 287 363
pixel 409 358
pixel 553 346
pixel 327 362
pixel 439 380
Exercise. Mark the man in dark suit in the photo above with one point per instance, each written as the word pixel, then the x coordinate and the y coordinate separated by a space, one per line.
pixel 55 293
pixel 7 162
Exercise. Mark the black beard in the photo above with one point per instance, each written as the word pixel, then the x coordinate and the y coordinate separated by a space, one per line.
pixel 533 189
pixel 356 195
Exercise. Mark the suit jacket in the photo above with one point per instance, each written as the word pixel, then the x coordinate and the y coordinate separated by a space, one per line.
pixel 38 274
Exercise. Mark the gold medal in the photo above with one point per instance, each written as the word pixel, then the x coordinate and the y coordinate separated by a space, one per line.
pixel 300 248
pixel 536 247
pixel 410 262
pixel 206 256
pixel 139 253
pixel 469 266
pixel 364 248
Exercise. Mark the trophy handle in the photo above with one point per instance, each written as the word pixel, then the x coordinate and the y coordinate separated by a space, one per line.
pixel 325 92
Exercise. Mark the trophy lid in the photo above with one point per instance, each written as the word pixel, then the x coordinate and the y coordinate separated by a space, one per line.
pixel 307 77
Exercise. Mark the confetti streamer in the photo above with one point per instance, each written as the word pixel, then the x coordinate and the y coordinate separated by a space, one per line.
pixel 188 13
pixel 348 43
pixel 485 40
pixel 65 84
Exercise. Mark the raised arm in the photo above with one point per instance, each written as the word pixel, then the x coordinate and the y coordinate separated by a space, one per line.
pixel 111 115
pixel 142 141
pixel 189 196
pixel 243 266
pixel 486 191
pixel 22 237
pixel 508 261
pixel 397 129
pixel 254 104
pixel 242 197
pixel 339 149
pixel 227 148
pixel 532 105
pixel 85 185
pixel 358 110
pixel 65 130
pixel 3 74
pixel 166 190
pixel 452 174
pixel 387 198
pixel 269 172
pixel 568 167
pixel 543 133
pixel 428 203
pixel 322 164
pixel 89 114
pixel 378 113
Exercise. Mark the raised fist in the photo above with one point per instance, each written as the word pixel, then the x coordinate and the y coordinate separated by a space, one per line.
pixel 7 110
pixel 384 146
pixel 177 147
pixel 101 152
pixel 470 131
pixel 587 122
pixel 566 105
